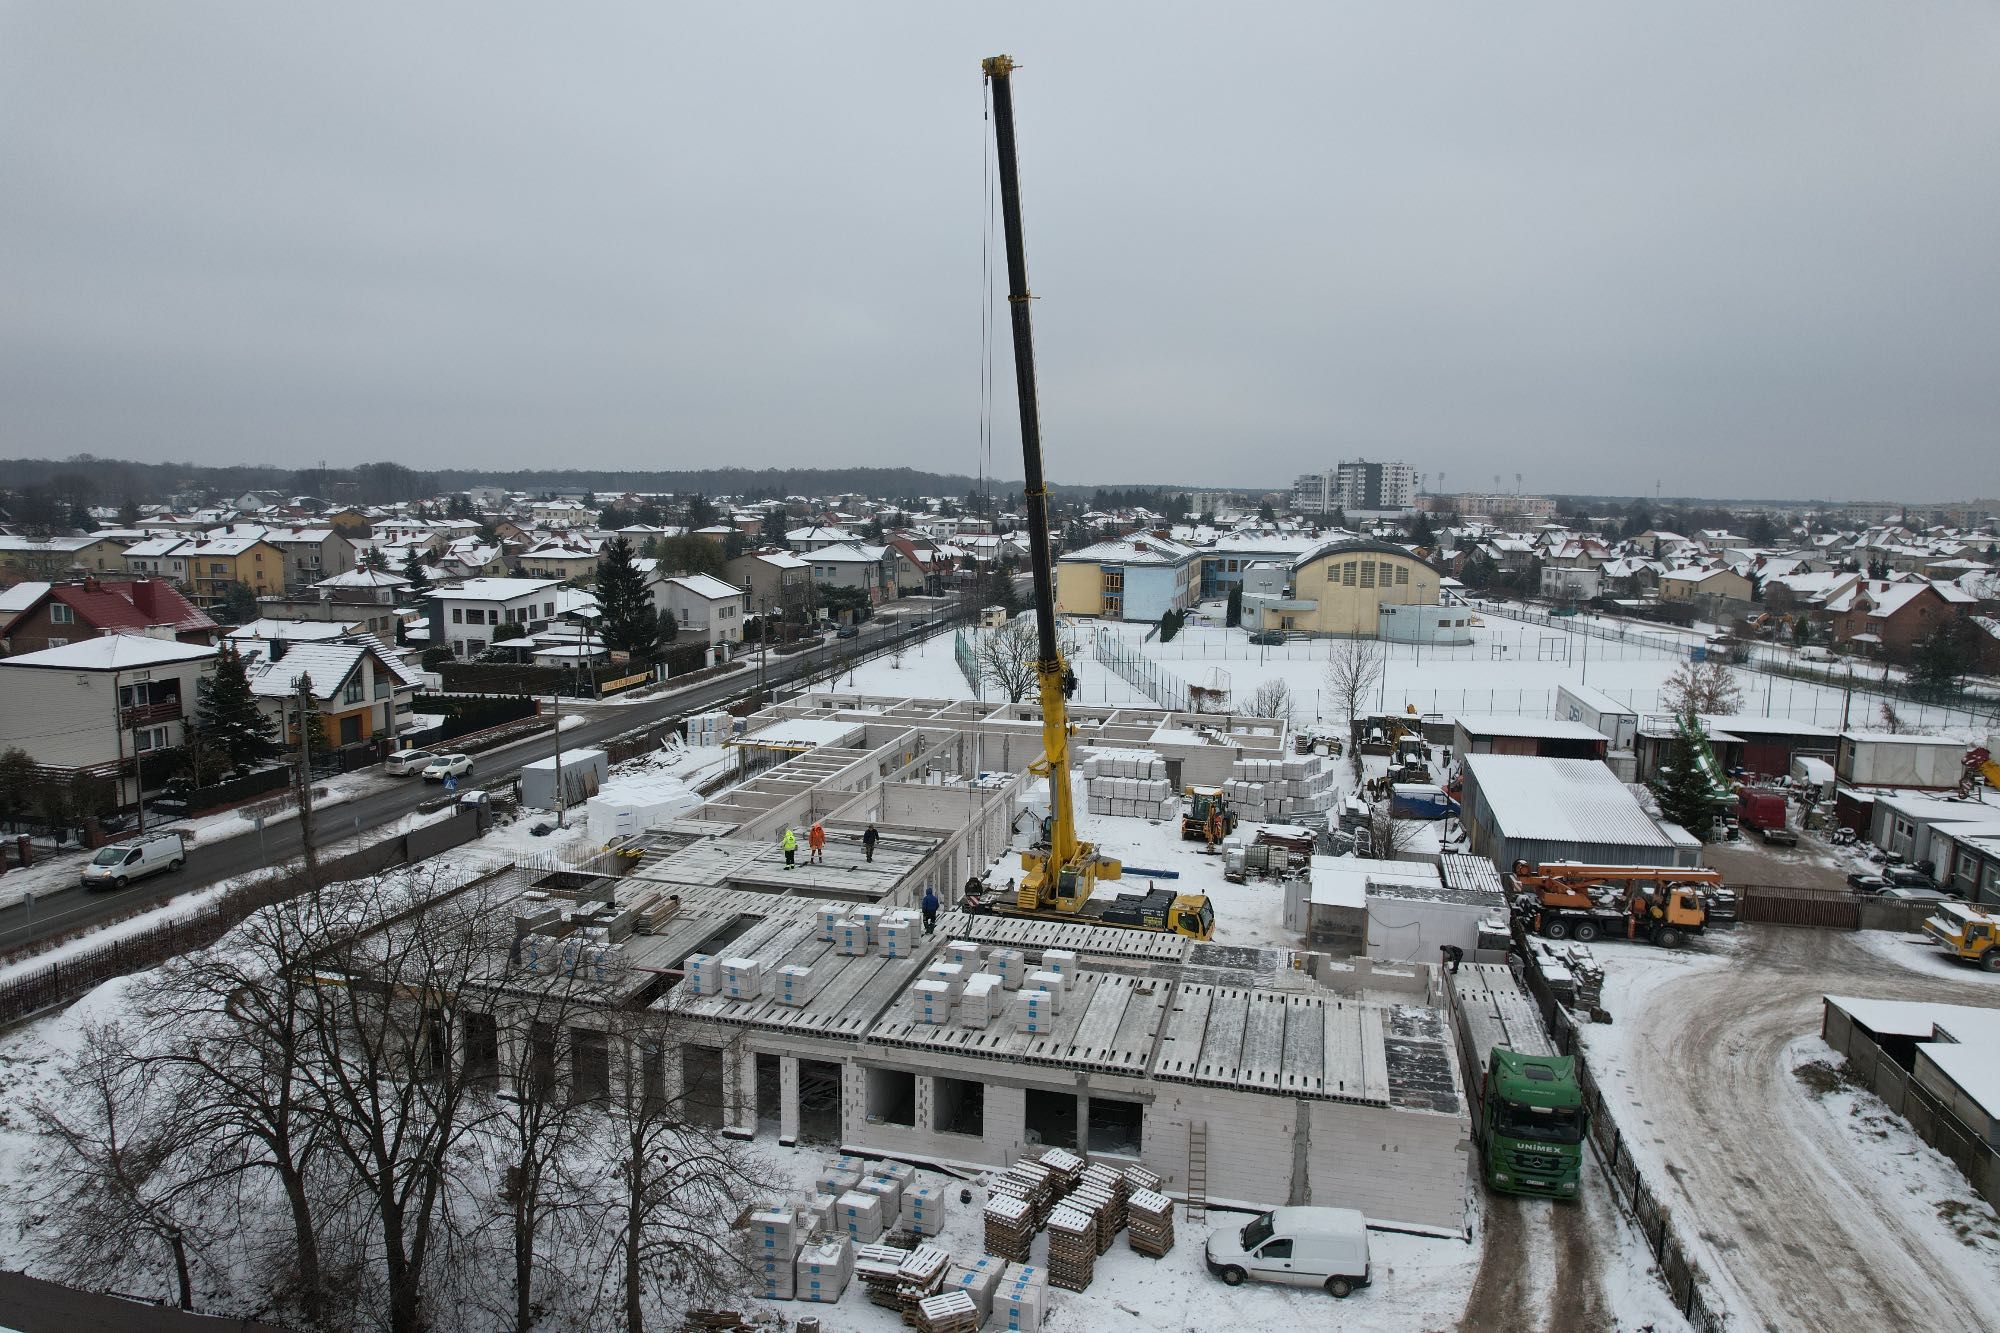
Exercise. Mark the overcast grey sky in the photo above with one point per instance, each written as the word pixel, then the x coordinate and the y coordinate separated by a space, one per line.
pixel 1735 249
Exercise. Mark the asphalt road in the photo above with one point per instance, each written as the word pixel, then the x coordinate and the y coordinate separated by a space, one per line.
pixel 70 908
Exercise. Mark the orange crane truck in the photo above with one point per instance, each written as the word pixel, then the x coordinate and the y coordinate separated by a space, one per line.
pixel 1568 900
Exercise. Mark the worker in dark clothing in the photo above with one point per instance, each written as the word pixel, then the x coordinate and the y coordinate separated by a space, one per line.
pixel 930 906
pixel 868 841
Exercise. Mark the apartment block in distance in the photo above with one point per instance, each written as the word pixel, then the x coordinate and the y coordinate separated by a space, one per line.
pixel 1359 484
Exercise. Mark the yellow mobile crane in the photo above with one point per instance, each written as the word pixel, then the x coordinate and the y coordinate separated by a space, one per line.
pixel 1060 871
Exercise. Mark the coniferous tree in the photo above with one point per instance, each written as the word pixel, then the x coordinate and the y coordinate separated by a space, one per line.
pixel 630 623
pixel 1234 615
pixel 228 718
pixel 1682 788
pixel 413 570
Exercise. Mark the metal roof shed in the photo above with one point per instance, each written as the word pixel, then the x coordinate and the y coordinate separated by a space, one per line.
pixel 1526 808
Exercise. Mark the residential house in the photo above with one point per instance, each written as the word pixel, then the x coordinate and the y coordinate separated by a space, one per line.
pixel 571 559
pixel 86 608
pixel 816 537
pixel 772 578
pixel 216 563
pixel 1572 583
pixel 562 514
pixel 705 609
pixel 1714 588
pixel 310 553
pixel 915 566
pixel 94 706
pixel 1885 619
pixel 349 522
pixel 361 691
pixel 852 565
pixel 159 557
pixel 1132 578
pixel 51 558
pixel 469 617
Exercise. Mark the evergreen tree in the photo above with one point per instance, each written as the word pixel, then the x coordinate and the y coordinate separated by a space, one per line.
pixel 1940 658
pixel 227 716
pixel 1235 613
pixel 413 570
pixel 1682 789
pixel 630 623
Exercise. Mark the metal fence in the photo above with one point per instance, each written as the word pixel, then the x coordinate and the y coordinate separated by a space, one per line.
pixel 968 660
pixel 1654 1218
pixel 1140 671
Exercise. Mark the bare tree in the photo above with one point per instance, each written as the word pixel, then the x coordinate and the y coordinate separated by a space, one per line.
pixel 1353 670
pixel 120 1173
pixel 1387 834
pixel 1708 686
pixel 1892 721
pixel 668 1182
pixel 1005 657
pixel 1272 699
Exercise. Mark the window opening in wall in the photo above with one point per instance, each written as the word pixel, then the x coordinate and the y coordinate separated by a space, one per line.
pixel 589 1065
pixel 819 1101
pixel 770 1094
pixel 541 1060
pixel 1116 1127
pixel 482 1046
pixel 701 1085
pixel 959 1105
pixel 1051 1118
pixel 892 1097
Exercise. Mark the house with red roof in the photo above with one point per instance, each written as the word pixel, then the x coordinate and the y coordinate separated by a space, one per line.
pixel 88 608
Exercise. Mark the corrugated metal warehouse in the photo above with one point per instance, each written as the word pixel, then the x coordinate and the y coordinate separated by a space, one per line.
pixel 1525 808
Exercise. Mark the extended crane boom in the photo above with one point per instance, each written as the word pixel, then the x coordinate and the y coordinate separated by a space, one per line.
pixel 1061 871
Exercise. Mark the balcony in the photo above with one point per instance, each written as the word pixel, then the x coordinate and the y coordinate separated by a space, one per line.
pixel 150 715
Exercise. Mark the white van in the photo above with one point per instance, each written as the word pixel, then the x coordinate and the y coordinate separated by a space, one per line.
pixel 1300 1247
pixel 135 858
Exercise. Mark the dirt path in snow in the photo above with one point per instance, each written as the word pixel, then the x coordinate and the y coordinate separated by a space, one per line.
pixel 1540 1266
pixel 1501 1295
pixel 1807 1241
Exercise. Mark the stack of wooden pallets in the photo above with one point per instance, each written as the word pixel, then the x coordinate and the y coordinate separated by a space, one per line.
pixel 1114 1184
pixel 920 1277
pixel 1010 1226
pixel 1151 1218
pixel 880 1269
pixel 1072 1248
pixel 947 1312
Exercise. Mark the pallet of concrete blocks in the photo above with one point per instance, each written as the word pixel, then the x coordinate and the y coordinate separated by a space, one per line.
pixel 930 1002
pixel 704 974
pixel 1062 962
pixel 1019 1306
pixel 1010 1226
pixel 795 985
pixel 1010 965
pixel 1072 1248
pixel 923 1209
pixel 1035 1011
pixel 889 1189
pixel 842 1174
pixel 819 1213
pixel 743 978
pixel 828 919
pixel 859 1214
pixel 900 934
pixel 774 1235
pixel 948 1312
pixel 951 974
pixel 1053 982
pixel 984 1001
pixel 871 918
pixel 850 937
pixel 1149 1219
pixel 978 1282
pixel 824 1269
pixel 968 954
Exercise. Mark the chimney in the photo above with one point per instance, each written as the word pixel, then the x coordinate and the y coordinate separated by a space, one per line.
pixel 278 649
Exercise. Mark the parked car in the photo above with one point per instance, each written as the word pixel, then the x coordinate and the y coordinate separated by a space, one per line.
pixel 1297 1247
pixel 1902 895
pixel 1863 882
pixel 1909 877
pixel 847 632
pixel 1269 636
pixel 405 762
pixel 135 858
pixel 448 766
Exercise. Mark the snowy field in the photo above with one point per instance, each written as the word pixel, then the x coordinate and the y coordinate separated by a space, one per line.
pixel 1510 668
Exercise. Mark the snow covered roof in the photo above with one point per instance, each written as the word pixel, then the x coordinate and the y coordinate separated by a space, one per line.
pixel 113 652
pixel 1959 1039
pixel 1543 728
pixel 495 590
pixel 1561 800
pixel 707 587
pixel 1137 550
pixel 292 631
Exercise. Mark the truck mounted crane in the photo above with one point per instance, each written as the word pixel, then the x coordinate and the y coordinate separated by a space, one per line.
pixel 1060 871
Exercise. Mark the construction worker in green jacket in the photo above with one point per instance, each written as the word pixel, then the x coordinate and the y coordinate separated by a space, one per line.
pixel 790 842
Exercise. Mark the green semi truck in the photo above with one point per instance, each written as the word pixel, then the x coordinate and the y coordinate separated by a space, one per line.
pixel 1527 1110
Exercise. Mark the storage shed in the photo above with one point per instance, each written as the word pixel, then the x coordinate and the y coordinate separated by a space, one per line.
pixel 1526 808
pixel 1618 723
pixel 1892 759
pixel 1549 737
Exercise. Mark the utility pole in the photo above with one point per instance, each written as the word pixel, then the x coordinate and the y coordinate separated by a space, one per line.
pixel 555 711
pixel 304 686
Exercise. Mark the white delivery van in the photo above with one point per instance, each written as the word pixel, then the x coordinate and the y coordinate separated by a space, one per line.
pixel 1300 1247
pixel 134 858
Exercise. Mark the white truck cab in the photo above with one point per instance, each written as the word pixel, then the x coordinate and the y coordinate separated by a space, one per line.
pixel 1299 1247
pixel 133 858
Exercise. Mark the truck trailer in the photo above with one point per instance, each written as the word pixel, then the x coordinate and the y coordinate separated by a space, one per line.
pixel 1527 1109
